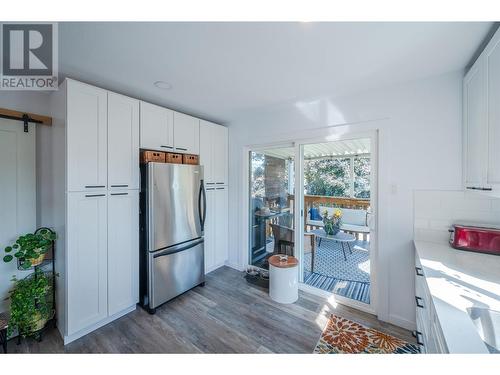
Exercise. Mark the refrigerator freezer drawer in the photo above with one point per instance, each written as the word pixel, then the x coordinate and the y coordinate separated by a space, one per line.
pixel 174 271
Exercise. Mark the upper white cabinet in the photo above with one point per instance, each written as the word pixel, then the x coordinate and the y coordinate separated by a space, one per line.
pixel 492 60
pixel 86 137
pixel 123 142
pixel 214 153
pixel 186 134
pixel 219 144
pixel 474 98
pixel 157 127
pixel 165 130
pixel 481 120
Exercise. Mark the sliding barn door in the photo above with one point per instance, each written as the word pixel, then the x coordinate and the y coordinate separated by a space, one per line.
pixel 17 193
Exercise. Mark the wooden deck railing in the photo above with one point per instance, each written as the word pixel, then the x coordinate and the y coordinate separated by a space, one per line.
pixel 311 201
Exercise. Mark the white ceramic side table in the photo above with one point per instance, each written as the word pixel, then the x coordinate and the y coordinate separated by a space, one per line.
pixel 283 278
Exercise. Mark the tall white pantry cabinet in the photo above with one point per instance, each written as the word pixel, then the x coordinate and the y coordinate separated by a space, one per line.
pixel 214 157
pixel 92 179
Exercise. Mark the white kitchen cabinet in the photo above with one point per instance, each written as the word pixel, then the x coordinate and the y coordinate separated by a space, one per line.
pixel 209 230
pixel 123 254
pixel 216 228
pixel 206 152
pixel 156 127
pixel 481 122
pixel 428 334
pixel 474 98
pixel 492 62
pixel 123 142
pixel 214 153
pixel 186 134
pixel 220 146
pixel 86 259
pixel 95 148
pixel 221 225
pixel 86 137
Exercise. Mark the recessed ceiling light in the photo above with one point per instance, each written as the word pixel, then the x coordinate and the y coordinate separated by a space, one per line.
pixel 163 85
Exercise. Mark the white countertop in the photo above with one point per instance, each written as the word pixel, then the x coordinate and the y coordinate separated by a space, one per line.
pixel 458 280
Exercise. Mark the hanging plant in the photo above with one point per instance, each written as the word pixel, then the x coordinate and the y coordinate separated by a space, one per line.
pixel 30 305
pixel 30 249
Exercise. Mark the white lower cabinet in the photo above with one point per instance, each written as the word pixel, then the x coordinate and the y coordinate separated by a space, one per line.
pixel 102 258
pixel 221 225
pixel 209 230
pixel 87 271
pixel 216 227
pixel 428 334
pixel 123 245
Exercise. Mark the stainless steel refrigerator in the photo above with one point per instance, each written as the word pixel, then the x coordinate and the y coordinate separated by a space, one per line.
pixel 173 210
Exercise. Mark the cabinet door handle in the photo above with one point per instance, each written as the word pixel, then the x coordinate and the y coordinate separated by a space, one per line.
pixel 94 195
pixel 181 148
pixel 479 188
pixel 166 146
pixel 220 188
pixel 220 183
pixel 210 189
pixel 419 271
pixel 119 193
pixel 417 335
pixel 94 186
pixel 417 301
pixel 120 186
pixel 209 183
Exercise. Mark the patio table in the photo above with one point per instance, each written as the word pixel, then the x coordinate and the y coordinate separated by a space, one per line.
pixel 343 238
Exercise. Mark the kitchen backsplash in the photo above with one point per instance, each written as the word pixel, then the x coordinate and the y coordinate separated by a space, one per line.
pixel 435 211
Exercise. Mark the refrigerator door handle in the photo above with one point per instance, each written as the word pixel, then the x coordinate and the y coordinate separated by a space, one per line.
pixel 200 213
pixel 178 248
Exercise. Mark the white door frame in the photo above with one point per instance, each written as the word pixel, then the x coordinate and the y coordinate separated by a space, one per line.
pixel 299 207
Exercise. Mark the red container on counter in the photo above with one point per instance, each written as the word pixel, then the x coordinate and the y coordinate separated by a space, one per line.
pixel 481 238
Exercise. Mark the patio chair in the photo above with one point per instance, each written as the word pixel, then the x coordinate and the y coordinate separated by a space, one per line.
pixel 284 242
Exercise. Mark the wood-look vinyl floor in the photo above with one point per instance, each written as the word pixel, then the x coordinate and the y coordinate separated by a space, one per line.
pixel 228 315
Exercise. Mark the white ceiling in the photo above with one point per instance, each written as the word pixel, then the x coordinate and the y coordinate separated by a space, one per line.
pixel 218 70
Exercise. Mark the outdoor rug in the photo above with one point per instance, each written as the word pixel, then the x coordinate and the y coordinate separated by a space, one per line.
pixel 329 261
pixel 343 336
pixel 357 290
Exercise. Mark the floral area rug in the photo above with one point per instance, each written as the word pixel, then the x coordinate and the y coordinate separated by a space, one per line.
pixel 344 336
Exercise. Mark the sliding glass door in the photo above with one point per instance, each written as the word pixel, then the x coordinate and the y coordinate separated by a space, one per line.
pixel 317 202
pixel 335 202
pixel 271 206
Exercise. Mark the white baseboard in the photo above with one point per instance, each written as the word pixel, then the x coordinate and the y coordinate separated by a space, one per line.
pixel 402 322
pixel 214 268
pixel 109 319
pixel 235 266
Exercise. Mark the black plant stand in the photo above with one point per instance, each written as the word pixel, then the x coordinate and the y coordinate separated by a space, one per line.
pixel 37 335
pixel 4 324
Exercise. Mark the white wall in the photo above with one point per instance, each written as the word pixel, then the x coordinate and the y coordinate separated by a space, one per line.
pixel 26 101
pixel 419 126
pixel 435 212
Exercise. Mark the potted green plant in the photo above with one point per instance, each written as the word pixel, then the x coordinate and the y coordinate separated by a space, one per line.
pixel 30 249
pixel 30 306
pixel 331 224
